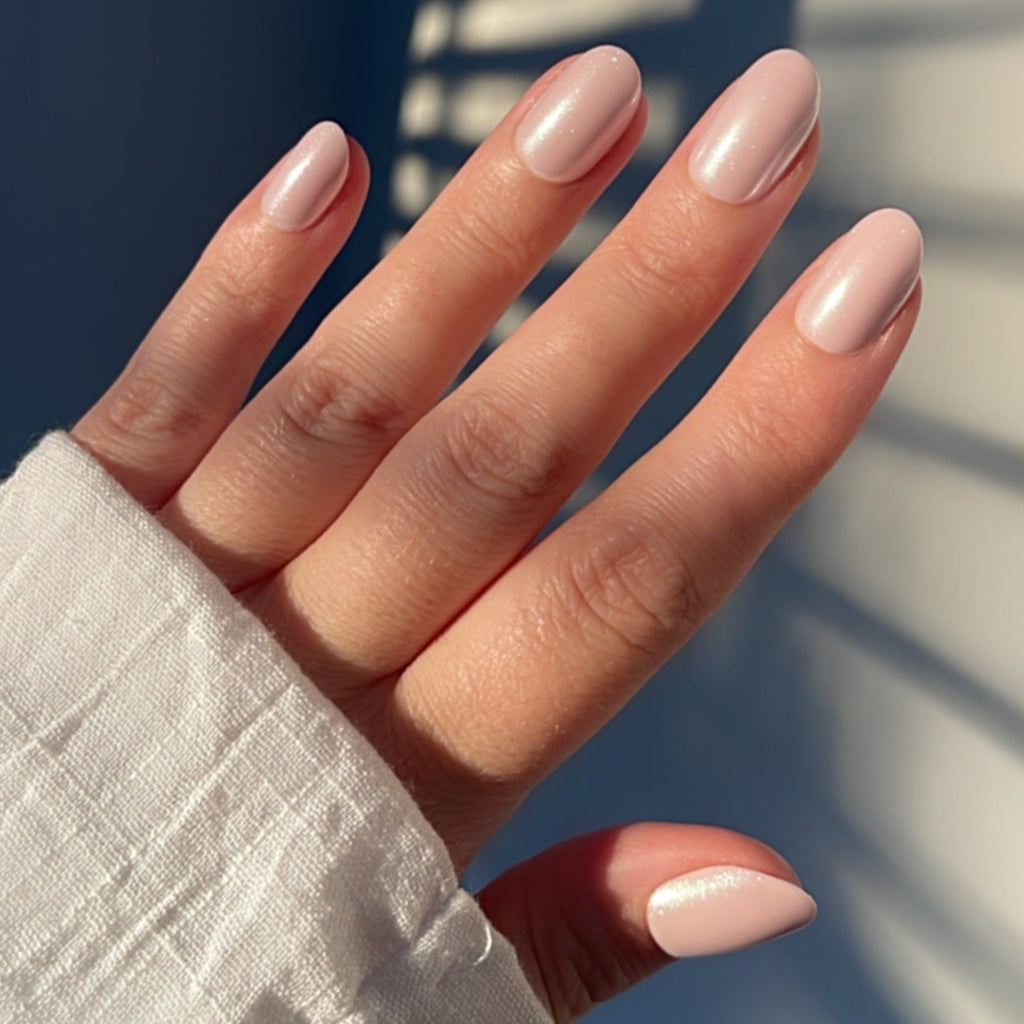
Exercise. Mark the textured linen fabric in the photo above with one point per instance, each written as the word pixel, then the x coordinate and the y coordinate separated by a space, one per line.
pixel 188 829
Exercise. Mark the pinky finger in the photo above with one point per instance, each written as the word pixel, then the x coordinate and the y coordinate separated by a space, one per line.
pixel 193 369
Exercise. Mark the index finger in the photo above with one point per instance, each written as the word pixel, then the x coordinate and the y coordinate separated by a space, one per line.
pixel 563 639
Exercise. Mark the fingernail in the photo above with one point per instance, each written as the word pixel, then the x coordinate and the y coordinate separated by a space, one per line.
pixel 758 130
pixel 720 909
pixel 308 179
pixel 581 115
pixel 861 288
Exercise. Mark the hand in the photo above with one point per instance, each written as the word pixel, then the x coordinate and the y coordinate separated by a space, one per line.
pixel 383 533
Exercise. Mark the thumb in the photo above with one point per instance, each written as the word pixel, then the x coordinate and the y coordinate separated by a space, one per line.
pixel 591 917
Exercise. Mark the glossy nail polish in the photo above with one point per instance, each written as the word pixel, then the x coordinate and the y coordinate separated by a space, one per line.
pixel 581 114
pixel 760 127
pixel 309 178
pixel 720 909
pixel 868 277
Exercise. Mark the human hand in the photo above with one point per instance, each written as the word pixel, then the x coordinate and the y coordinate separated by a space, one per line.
pixel 380 530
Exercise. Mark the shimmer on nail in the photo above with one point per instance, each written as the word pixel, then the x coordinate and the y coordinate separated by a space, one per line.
pixel 760 127
pixel 581 115
pixel 865 282
pixel 720 909
pixel 309 178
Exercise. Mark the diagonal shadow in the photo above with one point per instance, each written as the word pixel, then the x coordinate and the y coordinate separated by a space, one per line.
pixel 934 438
pixel 970 938
pixel 1003 721
pixel 981 228
pixel 906 29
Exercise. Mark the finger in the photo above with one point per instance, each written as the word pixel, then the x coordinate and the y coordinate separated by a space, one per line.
pixel 593 916
pixel 195 366
pixel 463 493
pixel 386 353
pixel 546 655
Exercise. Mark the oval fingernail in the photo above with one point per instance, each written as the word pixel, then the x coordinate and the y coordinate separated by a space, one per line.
pixel 581 114
pixel 865 282
pixel 720 909
pixel 309 178
pixel 758 130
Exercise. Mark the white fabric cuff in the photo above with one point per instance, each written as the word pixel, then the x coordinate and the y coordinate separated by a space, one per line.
pixel 189 830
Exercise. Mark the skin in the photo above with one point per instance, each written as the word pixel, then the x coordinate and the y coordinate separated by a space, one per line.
pixel 380 531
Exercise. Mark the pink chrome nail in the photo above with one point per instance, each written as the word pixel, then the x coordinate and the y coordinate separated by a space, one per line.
pixel 761 125
pixel 867 279
pixel 309 178
pixel 721 909
pixel 581 114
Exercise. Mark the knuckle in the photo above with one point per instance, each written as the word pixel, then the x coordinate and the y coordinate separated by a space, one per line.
pixel 145 406
pixel 326 403
pixel 659 267
pixel 239 275
pixel 766 429
pixel 628 580
pixel 489 242
pixel 500 454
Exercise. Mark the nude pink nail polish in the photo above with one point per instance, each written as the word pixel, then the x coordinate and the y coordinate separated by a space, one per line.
pixel 760 127
pixel 581 114
pixel 309 178
pixel 721 909
pixel 868 277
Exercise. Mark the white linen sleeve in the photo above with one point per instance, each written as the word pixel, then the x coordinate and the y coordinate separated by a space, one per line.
pixel 188 829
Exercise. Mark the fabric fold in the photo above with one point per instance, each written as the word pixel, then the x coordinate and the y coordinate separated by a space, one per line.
pixel 188 828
